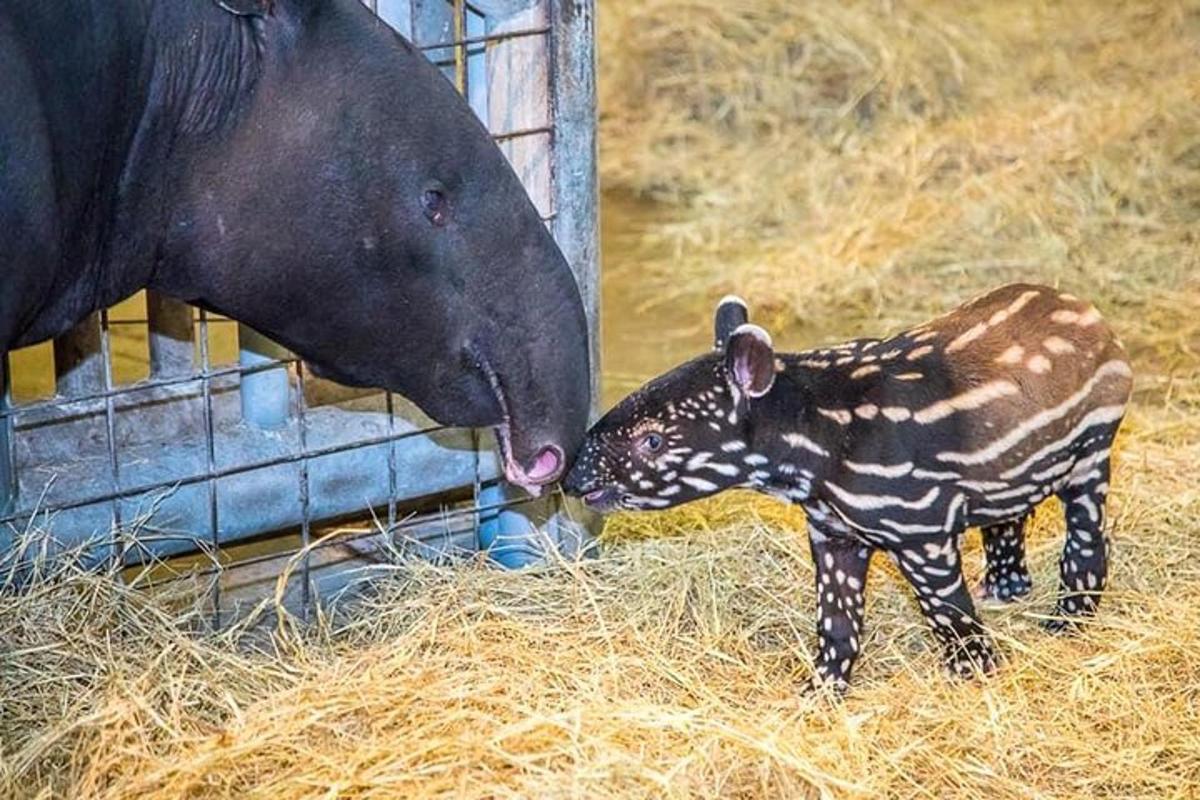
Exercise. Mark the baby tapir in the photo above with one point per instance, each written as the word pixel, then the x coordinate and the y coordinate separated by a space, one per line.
pixel 895 444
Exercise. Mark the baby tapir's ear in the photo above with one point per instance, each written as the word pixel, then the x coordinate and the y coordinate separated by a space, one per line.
pixel 750 360
pixel 731 312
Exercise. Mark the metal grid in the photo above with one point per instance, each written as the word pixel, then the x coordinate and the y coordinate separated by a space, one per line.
pixel 85 384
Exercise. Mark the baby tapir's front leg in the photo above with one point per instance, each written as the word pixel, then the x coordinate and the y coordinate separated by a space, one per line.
pixel 934 568
pixel 841 573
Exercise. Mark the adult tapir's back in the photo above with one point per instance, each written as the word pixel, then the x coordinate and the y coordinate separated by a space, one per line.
pixel 297 165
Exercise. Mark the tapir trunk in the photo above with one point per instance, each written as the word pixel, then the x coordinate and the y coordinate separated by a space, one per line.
pixel 543 382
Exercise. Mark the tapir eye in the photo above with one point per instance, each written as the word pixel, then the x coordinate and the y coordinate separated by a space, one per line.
pixel 651 443
pixel 436 207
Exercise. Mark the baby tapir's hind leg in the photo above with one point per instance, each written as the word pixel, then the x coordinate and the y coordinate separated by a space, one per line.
pixel 1006 577
pixel 1084 565
pixel 934 569
pixel 841 580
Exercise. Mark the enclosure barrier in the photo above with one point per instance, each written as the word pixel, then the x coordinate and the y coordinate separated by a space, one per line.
pixel 228 437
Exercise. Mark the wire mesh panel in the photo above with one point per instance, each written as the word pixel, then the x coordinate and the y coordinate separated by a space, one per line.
pixel 189 431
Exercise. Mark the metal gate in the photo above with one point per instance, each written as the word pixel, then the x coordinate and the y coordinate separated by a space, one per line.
pixel 162 430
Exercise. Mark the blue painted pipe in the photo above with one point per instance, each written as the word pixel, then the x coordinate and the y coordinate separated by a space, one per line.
pixel 508 536
pixel 265 393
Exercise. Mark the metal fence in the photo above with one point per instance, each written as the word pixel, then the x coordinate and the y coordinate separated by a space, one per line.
pixel 196 432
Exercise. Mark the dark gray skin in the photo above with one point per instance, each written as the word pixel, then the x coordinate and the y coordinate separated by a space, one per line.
pixel 300 167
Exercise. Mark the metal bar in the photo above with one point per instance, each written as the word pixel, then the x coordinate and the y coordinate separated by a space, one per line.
pixel 508 135
pixel 575 180
pixel 78 363
pixel 460 49
pixel 392 473
pixel 210 447
pixel 488 38
pixel 305 526
pixel 144 386
pixel 415 522
pixel 217 474
pixel 172 350
pixel 576 207
pixel 110 425
pixel 8 461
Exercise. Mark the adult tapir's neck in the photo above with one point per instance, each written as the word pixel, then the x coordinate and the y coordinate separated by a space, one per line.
pixel 125 88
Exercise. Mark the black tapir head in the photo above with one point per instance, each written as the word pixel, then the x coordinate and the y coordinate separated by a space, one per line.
pixel 358 212
pixel 685 434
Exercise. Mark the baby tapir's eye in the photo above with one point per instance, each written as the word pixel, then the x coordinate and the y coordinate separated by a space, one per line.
pixel 651 443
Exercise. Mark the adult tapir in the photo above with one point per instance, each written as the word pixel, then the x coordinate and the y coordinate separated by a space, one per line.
pixel 296 165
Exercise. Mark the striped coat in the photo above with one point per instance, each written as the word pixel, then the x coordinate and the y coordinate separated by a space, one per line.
pixel 895 444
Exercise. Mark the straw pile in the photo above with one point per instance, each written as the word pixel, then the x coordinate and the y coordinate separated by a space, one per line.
pixel 848 167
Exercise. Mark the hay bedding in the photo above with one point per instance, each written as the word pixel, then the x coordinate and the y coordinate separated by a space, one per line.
pixel 919 153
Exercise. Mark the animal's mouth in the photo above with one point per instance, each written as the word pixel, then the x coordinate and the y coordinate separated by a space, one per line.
pixel 548 463
pixel 606 498
pixel 546 467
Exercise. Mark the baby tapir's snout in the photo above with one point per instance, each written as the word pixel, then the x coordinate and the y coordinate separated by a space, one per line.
pixel 895 445
pixel 670 442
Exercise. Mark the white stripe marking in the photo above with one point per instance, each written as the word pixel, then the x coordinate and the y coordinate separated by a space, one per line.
pixel 870 502
pixel 882 470
pixel 933 475
pixel 896 413
pixel 952 511
pixel 838 415
pixel 802 442
pixel 1099 416
pixel 1006 442
pixel 967 401
pixel 1089 506
pixel 901 527
pixel 699 484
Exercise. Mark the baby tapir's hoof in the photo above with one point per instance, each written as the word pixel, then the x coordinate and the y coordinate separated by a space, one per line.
pixel 827 685
pixel 1075 609
pixel 971 658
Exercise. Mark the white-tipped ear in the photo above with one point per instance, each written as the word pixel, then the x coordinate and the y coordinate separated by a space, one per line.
pixel 731 312
pixel 750 360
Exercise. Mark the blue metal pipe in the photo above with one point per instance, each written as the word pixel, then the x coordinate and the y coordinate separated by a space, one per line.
pixel 514 537
pixel 264 393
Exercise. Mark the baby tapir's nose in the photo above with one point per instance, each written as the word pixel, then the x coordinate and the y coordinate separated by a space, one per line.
pixel 579 480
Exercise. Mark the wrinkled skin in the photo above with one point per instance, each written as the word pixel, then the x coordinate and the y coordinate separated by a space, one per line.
pixel 300 167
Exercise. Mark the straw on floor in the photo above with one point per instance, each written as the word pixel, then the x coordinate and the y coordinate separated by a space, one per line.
pixel 848 168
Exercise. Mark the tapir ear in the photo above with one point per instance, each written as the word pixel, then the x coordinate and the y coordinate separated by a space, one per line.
pixel 731 312
pixel 750 360
pixel 247 8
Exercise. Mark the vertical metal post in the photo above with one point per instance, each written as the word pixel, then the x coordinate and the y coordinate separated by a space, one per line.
pixel 210 452
pixel 110 427
pixel 78 363
pixel 264 393
pixel 576 185
pixel 171 346
pixel 8 467
pixel 305 510
pixel 577 199
pixel 391 462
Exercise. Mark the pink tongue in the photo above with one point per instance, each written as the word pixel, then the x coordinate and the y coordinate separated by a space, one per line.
pixel 545 465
